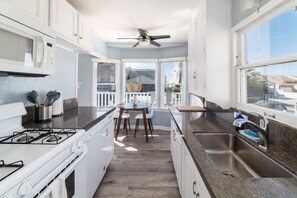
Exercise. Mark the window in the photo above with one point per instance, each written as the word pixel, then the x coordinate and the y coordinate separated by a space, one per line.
pixel 172 77
pixel 140 81
pixel 274 38
pixel 106 84
pixel 267 65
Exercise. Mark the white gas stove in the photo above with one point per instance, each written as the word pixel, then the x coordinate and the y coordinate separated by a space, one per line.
pixel 37 162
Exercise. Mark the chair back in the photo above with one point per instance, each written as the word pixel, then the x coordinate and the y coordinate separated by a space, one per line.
pixel 151 113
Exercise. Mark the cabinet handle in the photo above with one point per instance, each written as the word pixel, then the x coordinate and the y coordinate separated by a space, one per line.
pixel 106 132
pixel 193 187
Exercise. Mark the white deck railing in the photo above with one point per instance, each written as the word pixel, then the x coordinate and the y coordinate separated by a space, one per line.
pixel 105 98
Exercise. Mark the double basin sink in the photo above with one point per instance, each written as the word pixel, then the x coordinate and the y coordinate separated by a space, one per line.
pixel 234 157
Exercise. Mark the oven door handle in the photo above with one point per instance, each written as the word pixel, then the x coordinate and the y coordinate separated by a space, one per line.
pixel 73 165
pixel 46 193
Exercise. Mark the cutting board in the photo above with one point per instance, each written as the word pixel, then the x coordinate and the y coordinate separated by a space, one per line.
pixel 190 109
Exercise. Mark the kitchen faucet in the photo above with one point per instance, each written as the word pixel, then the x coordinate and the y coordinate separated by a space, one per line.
pixel 261 128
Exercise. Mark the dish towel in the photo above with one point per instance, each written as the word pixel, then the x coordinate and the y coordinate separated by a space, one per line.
pixel 63 190
pixel 55 188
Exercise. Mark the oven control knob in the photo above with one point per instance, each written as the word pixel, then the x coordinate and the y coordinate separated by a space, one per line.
pixel 25 188
pixel 74 148
pixel 80 144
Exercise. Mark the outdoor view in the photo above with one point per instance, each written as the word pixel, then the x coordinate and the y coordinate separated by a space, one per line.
pixel 172 84
pixel 106 84
pixel 140 81
pixel 273 86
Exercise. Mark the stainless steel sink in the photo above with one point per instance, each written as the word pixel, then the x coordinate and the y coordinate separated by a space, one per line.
pixel 236 158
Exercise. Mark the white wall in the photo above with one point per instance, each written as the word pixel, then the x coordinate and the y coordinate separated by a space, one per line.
pixel 14 89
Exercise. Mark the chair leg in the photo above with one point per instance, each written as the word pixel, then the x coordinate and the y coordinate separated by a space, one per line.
pixel 129 124
pixel 115 123
pixel 151 126
pixel 136 126
pixel 125 123
pixel 126 127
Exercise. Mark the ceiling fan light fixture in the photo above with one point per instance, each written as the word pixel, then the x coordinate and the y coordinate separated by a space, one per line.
pixel 144 42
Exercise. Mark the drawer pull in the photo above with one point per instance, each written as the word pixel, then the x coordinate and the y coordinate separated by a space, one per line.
pixel 194 184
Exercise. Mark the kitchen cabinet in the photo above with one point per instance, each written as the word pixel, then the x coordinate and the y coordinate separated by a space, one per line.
pixel 192 183
pixel 70 25
pixel 99 140
pixel 39 9
pixel 189 180
pixel 209 51
pixel 176 142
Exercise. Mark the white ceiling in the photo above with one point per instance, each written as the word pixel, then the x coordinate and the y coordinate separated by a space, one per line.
pixel 121 18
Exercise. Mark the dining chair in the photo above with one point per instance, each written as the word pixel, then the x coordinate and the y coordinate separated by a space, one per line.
pixel 125 117
pixel 149 117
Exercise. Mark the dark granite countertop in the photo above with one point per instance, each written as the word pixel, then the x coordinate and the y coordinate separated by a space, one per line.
pixel 75 118
pixel 225 187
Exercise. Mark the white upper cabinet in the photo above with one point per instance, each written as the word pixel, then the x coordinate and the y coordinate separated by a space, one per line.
pixel 209 51
pixel 36 8
pixel 70 25
pixel 85 33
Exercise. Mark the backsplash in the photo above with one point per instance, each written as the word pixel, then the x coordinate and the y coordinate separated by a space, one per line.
pixel 67 104
pixel 279 134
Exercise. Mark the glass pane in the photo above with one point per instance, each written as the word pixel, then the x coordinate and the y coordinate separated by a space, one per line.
pixel 106 87
pixel 140 81
pixel 106 73
pixel 273 86
pixel 273 39
pixel 17 48
pixel 172 85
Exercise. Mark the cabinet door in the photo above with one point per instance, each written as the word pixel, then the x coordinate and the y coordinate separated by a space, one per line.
pixel 39 9
pixel 64 20
pixel 85 33
pixel 176 153
pixel 193 185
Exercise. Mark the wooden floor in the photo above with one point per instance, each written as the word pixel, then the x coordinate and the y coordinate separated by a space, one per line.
pixel 140 169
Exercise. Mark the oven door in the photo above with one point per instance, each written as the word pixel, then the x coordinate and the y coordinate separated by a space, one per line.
pixel 64 185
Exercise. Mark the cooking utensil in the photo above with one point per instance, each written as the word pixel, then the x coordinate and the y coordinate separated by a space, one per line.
pixel 51 97
pixel 32 97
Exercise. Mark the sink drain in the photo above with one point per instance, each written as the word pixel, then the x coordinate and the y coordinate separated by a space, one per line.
pixel 229 174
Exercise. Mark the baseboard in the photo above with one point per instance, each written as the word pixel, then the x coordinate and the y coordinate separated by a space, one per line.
pixel 155 127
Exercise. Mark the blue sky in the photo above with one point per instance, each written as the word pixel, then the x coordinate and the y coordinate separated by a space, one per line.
pixel 277 38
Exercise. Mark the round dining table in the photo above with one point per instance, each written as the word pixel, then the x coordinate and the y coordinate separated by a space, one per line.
pixel 131 107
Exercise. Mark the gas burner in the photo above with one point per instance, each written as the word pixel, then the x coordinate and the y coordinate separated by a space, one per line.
pixel 25 138
pixel 54 138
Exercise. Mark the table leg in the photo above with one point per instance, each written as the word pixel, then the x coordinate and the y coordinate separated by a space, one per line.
pixel 119 123
pixel 145 123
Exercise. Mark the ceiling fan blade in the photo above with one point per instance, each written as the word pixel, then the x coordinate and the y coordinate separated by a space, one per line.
pixel 159 37
pixel 155 43
pixel 135 45
pixel 127 38
pixel 142 32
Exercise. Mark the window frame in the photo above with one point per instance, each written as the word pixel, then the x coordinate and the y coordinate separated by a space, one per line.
pixel 265 13
pixel 162 79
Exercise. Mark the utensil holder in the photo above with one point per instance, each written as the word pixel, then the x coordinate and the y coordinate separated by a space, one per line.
pixel 43 113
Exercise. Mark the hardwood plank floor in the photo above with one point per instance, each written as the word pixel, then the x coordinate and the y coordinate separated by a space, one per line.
pixel 140 169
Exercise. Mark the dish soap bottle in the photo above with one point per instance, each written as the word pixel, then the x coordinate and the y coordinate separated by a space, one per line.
pixel 238 116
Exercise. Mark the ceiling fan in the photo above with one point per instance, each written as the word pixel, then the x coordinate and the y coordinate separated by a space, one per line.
pixel 145 39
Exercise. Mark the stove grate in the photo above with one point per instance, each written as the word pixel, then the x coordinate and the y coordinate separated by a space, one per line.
pixel 17 164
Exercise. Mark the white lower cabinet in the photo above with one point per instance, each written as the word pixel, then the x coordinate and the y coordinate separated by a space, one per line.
pixel 176 154
pixel 189 180
pixel 100 152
